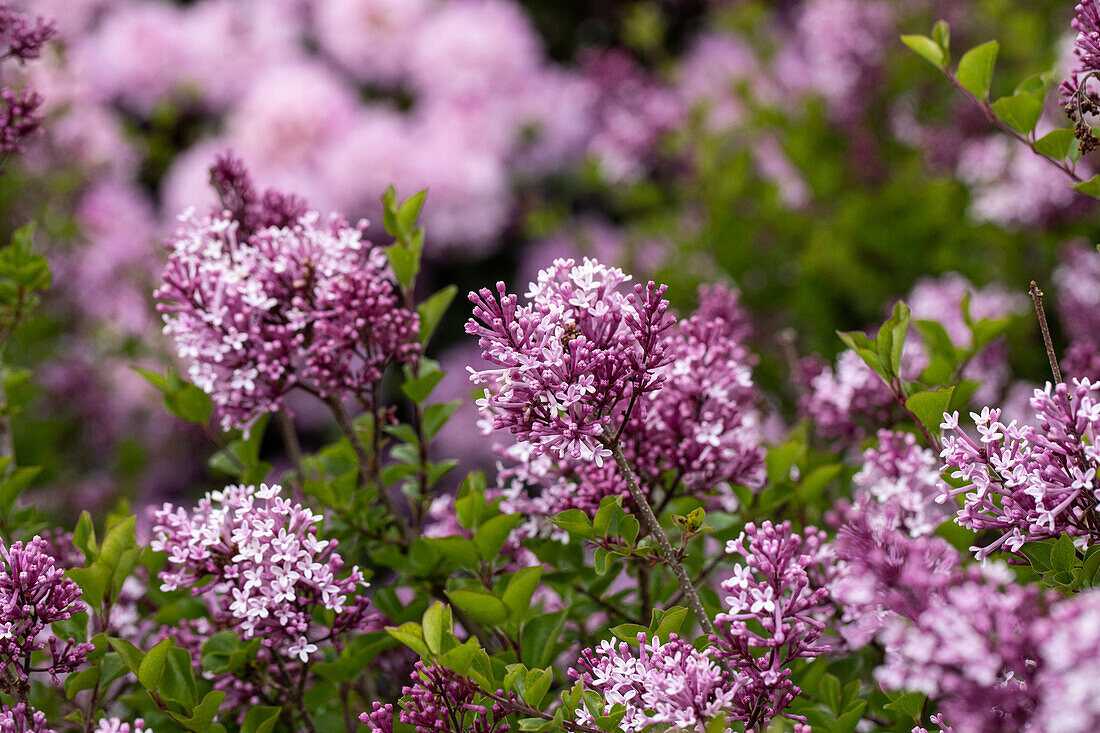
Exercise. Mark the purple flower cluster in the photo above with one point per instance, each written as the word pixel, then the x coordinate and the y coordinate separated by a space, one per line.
pixel 1078 301
pixel 271 573
pixel 35 593
pixel 1028 482
pixel 574 360
pixel 896 487
pixel 776 600
pixel 23 719
pixel 263 297
pixel 699 425
pixel 23 39
pixel 840 400
pixel 671 685
pixel 1077 101
pixel 974 647
pixel 1070 659
pixel 439 701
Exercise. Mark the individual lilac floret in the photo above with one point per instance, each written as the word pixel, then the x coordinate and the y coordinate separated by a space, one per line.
pixel 261 299
pixel 35 593
pixel 1070 655
pixel 574 358
pixel 776 600
pixel 380 719
pixel 114 725
pixel 671 685
pixel 271 574
pixel 937 720
pixel 23 719
pixel 975 649
pixel 440 700
pixel 1032 482
pixel 897 487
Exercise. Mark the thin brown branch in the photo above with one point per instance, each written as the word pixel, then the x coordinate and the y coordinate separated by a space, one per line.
pixel 1037 298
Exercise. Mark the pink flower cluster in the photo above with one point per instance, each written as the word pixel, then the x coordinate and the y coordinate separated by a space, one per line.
pixel 841 399
pixel 22 718
pixel 438 700
pixel 574 360
pixel 1028 482
pixel 264 297
pixel 1078 300
pixel 35 593
pixel 669 684
pixel 700 425
pixel 23 39
pixel 271 573
pixel 776 601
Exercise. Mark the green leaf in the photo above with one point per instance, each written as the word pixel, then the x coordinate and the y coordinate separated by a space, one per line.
pixel 1055 144
pixel 1020 111
pixel 927 49
pixel 460 658
pixel 419 389
pixel 628 529
pixel 436 620
pixel 409 212
pixel 610 507
pixel 178 681
pixel 517 594
pixel 405 264
pixel 491 536
pixel 1091 187
pixel 481 605
pixel 928 406
pixel 152 665
pixel 891 339
pixel 260 719
pixel 1038 554
pixel 830 692
pixel 537 684
pixel 629 633
pixel 129 653
pixel 84 536
pixel 575 522
pixel 410 635
pixel 911 704
pixel 866 348
pixel 671 622
pixel 203 716
pixel 976 69
pixel 432 310
pixel 540 638
pixel 1063 556
pixel 14 485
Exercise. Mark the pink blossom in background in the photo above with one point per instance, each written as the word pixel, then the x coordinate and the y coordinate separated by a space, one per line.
pixel 1001 173
pixel 835 51
pixel 711 75
pixel 372 39
pixel 1077 279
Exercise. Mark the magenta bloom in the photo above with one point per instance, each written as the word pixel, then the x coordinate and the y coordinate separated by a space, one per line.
pixel 670 685
pixel 271 573
pixel 1028 482
pixel 35 593
pixel 23 719
pixel 775 601
pixel 574 360
pixel 440 700
pixel 265 297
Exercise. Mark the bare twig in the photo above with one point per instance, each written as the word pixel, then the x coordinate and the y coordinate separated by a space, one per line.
pixel 649 519
pixel 1037 298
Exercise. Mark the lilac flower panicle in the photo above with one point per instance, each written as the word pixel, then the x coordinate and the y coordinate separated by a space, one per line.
pixel 35 593
pixel 23 719
pixel 24 39
pixel 1077 101
pixel 270 571
pixel 265 296
pixel 572 359
pixel 671 685
pixel 380 719
pixel 23 36
pixel 841 399
pixel 700 424
pixel 780 589
pixel 439 700
pixel 1028 482
pixel 975 648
